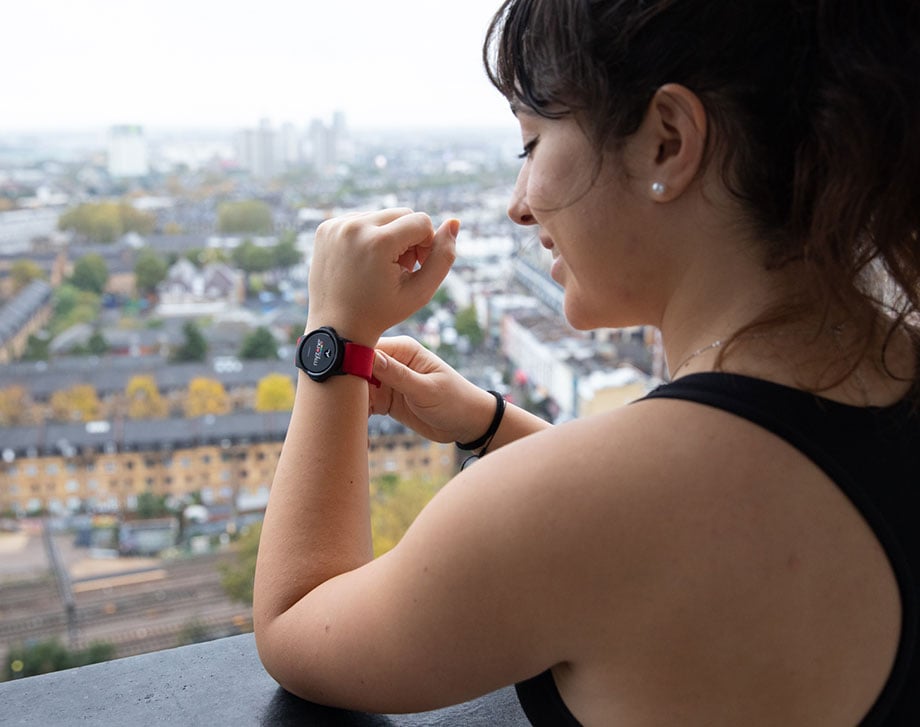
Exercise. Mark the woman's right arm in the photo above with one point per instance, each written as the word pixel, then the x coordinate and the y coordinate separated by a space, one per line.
pixel 421 391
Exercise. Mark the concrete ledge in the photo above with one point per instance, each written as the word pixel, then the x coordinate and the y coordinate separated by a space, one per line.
pixel 216 683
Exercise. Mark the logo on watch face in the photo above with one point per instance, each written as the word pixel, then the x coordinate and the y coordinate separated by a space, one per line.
pixel 319 352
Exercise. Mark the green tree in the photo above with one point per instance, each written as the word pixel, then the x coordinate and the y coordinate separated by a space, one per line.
pixel 90 273
pixel 237 577
pixel 150 505
pixel 149 271
pixel 51 655
pixel 245 217
pixel 252 258
pixel 72 305
pixel 23 272
pixel 260 344
pixel 36 348
pixel 286 255
pixel 194 347
pixel 467 324
pixel 97 345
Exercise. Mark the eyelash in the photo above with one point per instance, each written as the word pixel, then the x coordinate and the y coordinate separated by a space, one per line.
pixel 528 148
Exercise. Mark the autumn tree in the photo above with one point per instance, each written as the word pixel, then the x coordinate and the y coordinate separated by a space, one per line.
pixel 14 406
pixel 275 392
pixel 98 221
pixel 78 403
pixel 106 221
pixel 23 272
pixel 144 399
pixel 206 396
pixel 395 503
pixel 90 273
pixel 135 220
pixel 245 217
pixel 260 344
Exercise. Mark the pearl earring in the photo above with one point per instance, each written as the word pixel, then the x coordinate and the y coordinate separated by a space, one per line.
pixel 658 188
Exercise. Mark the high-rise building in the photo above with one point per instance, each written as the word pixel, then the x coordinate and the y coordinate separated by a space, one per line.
pixel 127 151
pixel 328 143
pixel 290 146
pixel 256 150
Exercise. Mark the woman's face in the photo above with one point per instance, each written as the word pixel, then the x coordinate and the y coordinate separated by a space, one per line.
pixel 590 218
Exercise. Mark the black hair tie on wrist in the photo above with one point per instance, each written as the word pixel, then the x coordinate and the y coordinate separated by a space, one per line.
pixel 486 439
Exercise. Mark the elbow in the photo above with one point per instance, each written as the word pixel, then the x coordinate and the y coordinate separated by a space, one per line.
pixel 272 653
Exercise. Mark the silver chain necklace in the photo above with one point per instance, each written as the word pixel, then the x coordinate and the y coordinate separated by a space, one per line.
pixel 708 347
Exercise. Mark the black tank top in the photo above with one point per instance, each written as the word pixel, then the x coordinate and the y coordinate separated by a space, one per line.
pixel 873 455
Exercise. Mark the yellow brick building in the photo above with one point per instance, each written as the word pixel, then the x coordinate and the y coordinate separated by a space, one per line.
pixel 104 466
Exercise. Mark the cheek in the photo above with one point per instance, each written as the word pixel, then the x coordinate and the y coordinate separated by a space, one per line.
pixel 540 195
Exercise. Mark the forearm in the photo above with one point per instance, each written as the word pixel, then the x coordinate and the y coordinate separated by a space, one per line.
pixel 317 523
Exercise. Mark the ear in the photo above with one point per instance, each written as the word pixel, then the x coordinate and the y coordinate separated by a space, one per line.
pixel 672 141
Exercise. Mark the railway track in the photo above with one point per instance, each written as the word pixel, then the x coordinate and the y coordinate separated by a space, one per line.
pixel 135 611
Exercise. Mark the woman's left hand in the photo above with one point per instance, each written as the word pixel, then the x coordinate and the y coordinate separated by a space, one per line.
pixel 373 270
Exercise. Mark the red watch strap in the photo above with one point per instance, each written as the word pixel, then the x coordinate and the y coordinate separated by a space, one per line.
pixel 359 361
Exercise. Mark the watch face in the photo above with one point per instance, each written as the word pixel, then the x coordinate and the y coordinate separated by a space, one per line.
pixel 320 355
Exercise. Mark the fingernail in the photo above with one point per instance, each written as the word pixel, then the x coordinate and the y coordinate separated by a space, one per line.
pixel 453 227
pixel 381 360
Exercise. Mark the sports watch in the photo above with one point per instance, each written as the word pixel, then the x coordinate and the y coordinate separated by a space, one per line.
pixel 323 353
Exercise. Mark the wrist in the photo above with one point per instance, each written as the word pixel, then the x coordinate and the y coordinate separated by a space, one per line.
pixel 483 439
pixel 347 329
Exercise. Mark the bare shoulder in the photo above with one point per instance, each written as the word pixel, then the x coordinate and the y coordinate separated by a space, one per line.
pixel 697 548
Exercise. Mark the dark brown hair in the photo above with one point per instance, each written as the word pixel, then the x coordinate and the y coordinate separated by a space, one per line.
pixel 814 106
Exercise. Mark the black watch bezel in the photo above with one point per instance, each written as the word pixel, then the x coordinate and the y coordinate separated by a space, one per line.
pixel 327 353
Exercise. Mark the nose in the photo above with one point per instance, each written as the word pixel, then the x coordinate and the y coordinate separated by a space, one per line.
pixel 518 209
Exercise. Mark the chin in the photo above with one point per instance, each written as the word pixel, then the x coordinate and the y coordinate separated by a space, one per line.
pixel 578 319
pixel 587 320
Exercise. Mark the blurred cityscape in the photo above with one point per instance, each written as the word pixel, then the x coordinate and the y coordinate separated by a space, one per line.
pixel 152 285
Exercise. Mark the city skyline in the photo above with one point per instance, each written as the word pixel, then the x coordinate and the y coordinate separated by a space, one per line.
pixel 88 66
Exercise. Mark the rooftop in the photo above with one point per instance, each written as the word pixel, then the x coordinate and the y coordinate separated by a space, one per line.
pixel 174 433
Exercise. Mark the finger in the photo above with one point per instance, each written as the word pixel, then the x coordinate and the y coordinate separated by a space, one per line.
pixel 402 348
pixel 406 233
pixel 439 258
pixel 393 373
pixel 380 399
pixel 388 215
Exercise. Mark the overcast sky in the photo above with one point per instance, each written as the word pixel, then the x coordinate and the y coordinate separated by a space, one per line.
pixel 224 63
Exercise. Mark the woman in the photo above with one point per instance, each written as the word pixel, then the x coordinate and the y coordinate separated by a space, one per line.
pixel 736 549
